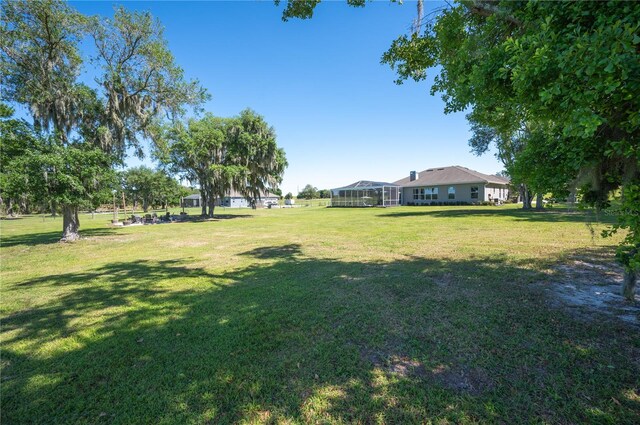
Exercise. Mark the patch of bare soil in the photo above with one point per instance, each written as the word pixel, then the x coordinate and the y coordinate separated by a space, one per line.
pixel 587 286
pixel 460 379
pixel 465 380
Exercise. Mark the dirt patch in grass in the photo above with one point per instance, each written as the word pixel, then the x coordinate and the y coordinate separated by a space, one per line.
pixel 464 380
pixel 593 285
pixel 460 379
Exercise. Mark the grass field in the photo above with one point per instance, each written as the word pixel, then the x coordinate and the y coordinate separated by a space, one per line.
pixel 310 315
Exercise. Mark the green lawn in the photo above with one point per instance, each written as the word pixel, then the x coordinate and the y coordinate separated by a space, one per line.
pixel 310 315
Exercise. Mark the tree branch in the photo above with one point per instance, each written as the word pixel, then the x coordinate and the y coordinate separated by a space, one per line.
pixel 487 8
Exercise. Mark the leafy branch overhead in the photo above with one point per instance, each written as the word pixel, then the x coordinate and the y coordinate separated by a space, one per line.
pixel 140 80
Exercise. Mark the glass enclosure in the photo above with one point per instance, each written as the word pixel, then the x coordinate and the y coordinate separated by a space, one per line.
pixel 366 194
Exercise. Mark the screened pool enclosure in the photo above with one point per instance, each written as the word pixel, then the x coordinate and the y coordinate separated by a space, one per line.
pixel 366 194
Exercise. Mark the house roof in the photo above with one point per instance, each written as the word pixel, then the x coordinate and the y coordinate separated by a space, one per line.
pixel 232 194
pixel 365 184
pixel 450 175
pixel 235 194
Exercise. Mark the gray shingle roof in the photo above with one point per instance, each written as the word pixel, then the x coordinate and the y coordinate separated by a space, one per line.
pixel 450 175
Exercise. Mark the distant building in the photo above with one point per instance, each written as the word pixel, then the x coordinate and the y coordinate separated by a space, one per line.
pixel 366 193
pixel 235 199
pixel 191 201
pixel 452 185
pixel 232 200
pixel 433 186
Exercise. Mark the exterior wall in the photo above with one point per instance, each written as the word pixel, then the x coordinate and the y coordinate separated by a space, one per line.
pixel 230 202
pixel 463 194
pixel 190 203
pixel 236 202
pixel 497 191
pixel 262 201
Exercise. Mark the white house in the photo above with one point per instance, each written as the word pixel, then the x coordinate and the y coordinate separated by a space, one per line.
pixel 233 199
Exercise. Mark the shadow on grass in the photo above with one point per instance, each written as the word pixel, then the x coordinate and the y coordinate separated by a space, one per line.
pixel 284 252
pixel 295 338
pixel 31 239
pixel 216 217
pixel 547 215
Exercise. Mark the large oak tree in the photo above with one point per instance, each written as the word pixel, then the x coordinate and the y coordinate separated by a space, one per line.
pixel 138 81
pixel 223 154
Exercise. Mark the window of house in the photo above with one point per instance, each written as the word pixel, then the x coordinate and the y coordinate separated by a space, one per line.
pixel 430 193
pixel 416 194
pixel 474 192
pixel 452 192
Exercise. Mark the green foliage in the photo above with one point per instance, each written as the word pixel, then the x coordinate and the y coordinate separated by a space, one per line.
pixel 40 60
pixel 152 187
pixel 277 191
pixel 553 84
pixel 51 171
pixel 254 149
pixel 324 194
pixel 628 253
pixel 303 9
pixel 138 85
pixel 141 82
pixel 308 192
pixel 222 154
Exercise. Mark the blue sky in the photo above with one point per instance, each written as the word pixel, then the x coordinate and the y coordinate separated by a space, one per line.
pixel 336 110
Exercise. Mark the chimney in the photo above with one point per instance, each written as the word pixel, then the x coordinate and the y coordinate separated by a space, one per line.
pixel 413 176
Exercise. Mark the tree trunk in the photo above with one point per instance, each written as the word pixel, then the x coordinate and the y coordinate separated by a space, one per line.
pixel 145 204
pixel 203 201
pixel 54 208
pixel 70 223
pixel 539 203
pixel 212 206
pixel 629 284
pixel 525 194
